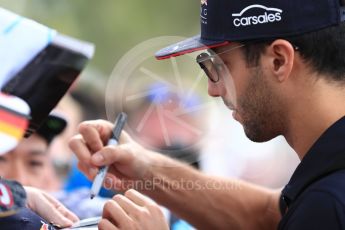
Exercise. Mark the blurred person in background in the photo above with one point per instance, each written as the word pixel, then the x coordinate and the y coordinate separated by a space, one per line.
pixel 30 162
pixel 23 207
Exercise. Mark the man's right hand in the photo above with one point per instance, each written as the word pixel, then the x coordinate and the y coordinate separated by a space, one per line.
pixel 128 161
pixel 131 162
pixel 132 211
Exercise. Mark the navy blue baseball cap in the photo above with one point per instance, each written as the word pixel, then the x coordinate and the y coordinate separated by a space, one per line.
pixel 25 219
pixel 12 198
pixel 226 21
pixel 13 211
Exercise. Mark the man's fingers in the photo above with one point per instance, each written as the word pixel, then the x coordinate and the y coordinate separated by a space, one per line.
pixel 91 135
pixel 113 212
pixel 103 128
pixel 61 208
pixel 78 146
pixel 124 137
pixel 105 224
pixel 127 205
pixel 111 154
pixel 89 171
pixel 138 198
pixel 68 214
pixel 54 216
pixel 58 219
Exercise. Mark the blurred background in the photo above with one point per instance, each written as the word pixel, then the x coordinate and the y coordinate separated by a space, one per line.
pixel 114 26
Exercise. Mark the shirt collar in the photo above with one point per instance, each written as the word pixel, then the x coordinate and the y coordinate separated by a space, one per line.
pixel 324 157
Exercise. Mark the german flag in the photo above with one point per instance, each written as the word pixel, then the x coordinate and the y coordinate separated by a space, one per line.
pixel 12 123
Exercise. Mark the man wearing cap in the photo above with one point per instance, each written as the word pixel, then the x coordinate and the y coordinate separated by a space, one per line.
pixel 280 66
pixel 25 207
pixel 30 163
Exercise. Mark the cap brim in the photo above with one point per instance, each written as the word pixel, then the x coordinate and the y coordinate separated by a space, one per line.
pixel 188 46
pixel 54 125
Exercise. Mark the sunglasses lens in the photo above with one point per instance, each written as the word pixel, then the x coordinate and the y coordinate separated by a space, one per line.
pixel 208 66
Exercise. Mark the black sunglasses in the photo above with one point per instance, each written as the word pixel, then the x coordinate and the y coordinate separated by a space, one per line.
pixel 213 68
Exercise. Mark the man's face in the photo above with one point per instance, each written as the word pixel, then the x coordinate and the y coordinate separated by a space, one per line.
pixel 27 163
pixel 248 92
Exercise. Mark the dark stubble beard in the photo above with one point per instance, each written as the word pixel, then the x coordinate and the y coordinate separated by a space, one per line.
pixel 260 109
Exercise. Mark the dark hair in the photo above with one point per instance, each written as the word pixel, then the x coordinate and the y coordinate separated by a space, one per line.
pixel 322 50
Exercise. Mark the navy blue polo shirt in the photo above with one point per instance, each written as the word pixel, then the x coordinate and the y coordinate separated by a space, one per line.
pixel 315 196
